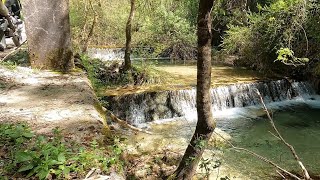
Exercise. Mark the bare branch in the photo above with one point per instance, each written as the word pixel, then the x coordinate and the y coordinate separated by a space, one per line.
pixel 13 51
pixel 305 172
pixel 260 157
pixel 274 135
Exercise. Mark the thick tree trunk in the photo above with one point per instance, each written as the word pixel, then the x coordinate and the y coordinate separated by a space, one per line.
pixel 48 32
pixel 127 53
pixel 206 123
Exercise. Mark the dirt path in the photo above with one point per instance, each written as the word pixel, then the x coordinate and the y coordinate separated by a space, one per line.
pixel 46 100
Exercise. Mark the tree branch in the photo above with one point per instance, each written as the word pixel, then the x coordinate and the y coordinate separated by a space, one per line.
pixel 259 157
pixel 305 172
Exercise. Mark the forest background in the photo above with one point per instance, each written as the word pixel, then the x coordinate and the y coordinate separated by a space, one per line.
pixel 265 35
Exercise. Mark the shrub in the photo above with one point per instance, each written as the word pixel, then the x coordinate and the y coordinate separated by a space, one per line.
pixel 279 26
pixel 29 155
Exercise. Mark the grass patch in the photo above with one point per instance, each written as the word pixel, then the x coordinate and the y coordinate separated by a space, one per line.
pixel 27 155
pixel 20 58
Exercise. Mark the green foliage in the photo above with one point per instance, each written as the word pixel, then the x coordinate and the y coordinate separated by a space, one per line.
pixel 277 24
pixel 286 56
pixel 103 74
pixel 92 66
pixel 29 155
pixel 316 70
pixel 20 58
pixel 200 143
pixel 14 135
pixel 158 24
pixel 209 164
pixel 146 72
pixel 9 64
pixel 172 25
pixel 111 19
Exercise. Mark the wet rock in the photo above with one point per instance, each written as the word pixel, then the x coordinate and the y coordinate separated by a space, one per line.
pixel 150 106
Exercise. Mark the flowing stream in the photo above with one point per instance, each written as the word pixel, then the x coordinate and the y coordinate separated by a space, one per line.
pixel 300 126
pixel 151 106
pixel 297 119
pixel 171 116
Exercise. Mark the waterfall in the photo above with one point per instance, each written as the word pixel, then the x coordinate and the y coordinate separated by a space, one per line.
pixel 150 106
pixel 115 54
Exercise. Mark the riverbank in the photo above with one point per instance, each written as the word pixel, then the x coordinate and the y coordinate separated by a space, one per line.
pixel 56 125
pixel 48 99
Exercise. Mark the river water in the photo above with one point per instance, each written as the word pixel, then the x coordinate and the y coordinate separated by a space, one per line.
pixel 298 120
pixel 299 125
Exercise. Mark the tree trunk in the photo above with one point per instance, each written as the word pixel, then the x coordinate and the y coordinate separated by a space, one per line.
pixel 206 123
pixel 85 42
pixel 127 53
pixel 48 32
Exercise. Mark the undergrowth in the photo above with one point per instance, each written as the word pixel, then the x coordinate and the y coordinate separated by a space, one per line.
pixel 20 58
pixel 27 155
pixel 112 74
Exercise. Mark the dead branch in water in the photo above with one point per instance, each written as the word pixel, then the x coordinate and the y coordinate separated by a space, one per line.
pixel 259 157
pixel 294 153
pixel 124 123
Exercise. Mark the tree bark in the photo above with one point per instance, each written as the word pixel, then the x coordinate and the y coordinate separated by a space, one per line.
pixel 206 124
pixel 48 31
pixel 85 42
pixel 127 53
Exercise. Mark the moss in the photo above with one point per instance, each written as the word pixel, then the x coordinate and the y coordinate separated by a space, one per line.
pixel 59 59
pixel 99 108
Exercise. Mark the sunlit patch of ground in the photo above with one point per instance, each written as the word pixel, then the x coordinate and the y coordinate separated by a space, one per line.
pixel 221 75
pixel 46 99
pixel 185 77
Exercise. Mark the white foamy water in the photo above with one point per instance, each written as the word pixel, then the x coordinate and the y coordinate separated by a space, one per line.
pixel 227 101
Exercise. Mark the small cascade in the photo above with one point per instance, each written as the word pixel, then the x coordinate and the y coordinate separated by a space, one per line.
pixel 242 95
pixel 303 90
pixel 114 54
pixel 150 106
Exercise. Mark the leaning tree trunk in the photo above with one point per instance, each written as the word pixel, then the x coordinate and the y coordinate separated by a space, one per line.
pixel 206 123
pixel 127 53
pixel 48 33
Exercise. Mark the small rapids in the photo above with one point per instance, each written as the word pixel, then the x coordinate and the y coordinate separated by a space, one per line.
pixel 153 106
pixel 297 119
